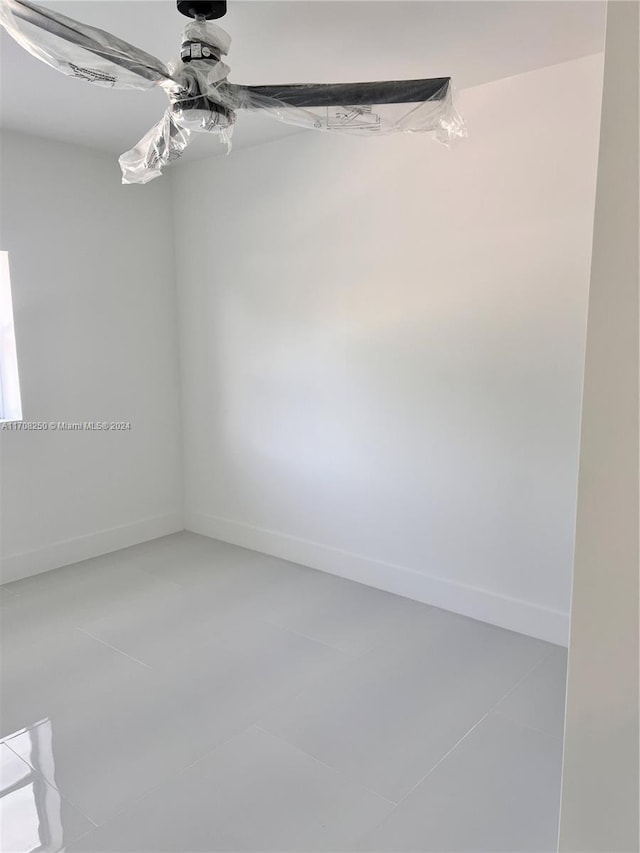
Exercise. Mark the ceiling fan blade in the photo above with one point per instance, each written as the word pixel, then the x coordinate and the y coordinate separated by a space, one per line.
pixel 79 50
pixel 360 108
pixel 164 143
pixel 353 94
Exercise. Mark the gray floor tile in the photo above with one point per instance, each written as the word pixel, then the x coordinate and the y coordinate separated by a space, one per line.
pixel 348 616
pixel 160 627
pixel 390 715
pixel 67 598
pixel 123 728
pixel 253 793
pixel 499 790
pixel 321 699
pixel 539 701
pixel 42 679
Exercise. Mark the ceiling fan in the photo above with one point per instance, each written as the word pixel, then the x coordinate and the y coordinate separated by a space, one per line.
pixel 202 99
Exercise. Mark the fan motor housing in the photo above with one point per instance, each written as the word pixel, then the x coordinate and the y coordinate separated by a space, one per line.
pixel 208 9
pixel 201 113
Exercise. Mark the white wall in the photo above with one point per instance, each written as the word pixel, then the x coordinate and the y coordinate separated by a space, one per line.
pixel 92 272
pixel 600 786
pixel 382 349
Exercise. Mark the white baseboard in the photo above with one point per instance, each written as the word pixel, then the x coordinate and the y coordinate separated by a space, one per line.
pixel 515 614
pixel 23 565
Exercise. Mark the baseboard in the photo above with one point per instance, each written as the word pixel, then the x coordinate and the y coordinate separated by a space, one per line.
pixel 23 565
pixel 502 610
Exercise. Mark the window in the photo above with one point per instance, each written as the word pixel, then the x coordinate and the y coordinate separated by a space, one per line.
pixel 10 404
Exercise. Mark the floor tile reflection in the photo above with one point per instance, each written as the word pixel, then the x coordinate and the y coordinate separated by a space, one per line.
pixel 33 815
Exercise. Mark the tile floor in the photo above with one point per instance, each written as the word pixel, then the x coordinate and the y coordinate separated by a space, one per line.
pixel 188 695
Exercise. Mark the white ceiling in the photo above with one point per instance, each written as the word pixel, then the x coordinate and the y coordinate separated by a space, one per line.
pixel 295 41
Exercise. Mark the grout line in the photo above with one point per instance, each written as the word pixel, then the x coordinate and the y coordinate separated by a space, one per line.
pixel 114 648
pixel 8 592
pixel 171 775
pixel 526 725
pixel 273 624
pixel 170 778
pixel 36 585
pixel 481 720
pixel 335 770
pixel 84 835
pixel 446 755
pixel 151 573
pixel 542 660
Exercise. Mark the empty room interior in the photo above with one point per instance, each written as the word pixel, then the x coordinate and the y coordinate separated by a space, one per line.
pixel 319 426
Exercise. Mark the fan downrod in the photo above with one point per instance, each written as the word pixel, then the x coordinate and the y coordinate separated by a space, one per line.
pixel 208 9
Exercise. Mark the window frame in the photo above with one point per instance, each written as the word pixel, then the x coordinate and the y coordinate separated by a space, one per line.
pixel 10 396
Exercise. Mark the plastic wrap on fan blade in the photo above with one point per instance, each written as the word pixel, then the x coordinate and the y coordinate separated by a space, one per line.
pixel 435 114
pixel 163 143
pixel 81 51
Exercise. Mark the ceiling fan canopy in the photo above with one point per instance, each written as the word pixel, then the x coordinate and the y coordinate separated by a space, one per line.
pixel 202 99
pixel 209 10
